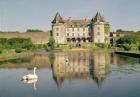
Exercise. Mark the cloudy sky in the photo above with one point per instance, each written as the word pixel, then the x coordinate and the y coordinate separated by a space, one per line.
pixel 19 15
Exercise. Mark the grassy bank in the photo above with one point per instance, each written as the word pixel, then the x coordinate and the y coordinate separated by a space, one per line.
pixel 9 54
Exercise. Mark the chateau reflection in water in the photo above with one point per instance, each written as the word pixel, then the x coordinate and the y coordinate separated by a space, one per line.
pixel 80 65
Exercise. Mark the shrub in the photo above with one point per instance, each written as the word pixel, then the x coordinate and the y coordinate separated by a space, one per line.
pixel 1 48
pixel 129 39
pixel 101 45
pixel 51 43
pixel 109 46
pixel 14 43
pixel 139 47
pixel 46 47
pixel 19 50
pixel 34 30
pixel 127 47
pixel 0 51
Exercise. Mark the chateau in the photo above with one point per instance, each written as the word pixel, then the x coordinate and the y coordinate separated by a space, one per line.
pixel 79 32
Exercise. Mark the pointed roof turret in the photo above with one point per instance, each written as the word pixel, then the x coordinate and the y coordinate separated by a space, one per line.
pixel 58 18
pixel 98 17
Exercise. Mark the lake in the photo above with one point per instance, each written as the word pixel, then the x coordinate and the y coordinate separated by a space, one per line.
pixel 71 74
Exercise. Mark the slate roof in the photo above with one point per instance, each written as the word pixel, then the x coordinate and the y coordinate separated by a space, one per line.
pixel 98 17
pixel 58 18
pixel 78 23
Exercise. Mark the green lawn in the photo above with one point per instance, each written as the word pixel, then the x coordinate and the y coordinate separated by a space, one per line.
pixel 7 54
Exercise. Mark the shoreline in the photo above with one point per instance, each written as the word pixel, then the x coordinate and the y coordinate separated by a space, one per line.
pixel 130 54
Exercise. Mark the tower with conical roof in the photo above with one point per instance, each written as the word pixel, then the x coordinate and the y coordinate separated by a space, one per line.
pixel 58 29
pixel 57 19
pixel 100 29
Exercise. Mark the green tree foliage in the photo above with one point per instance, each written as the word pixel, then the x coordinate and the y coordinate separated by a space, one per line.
pixel 13 43
pixel 107 28
pixel 1 48
pixel 18 50
pixel 34 30
pixel 51 43
pixel 129 39
pixel 129 42
pixel 121 30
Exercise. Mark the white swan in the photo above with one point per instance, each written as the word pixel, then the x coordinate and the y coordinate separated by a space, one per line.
pixel 30 76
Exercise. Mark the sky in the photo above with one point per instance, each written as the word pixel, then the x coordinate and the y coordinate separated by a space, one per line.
pixel 19 15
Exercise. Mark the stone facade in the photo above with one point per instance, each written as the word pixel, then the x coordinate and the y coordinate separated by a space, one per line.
pixel 69 31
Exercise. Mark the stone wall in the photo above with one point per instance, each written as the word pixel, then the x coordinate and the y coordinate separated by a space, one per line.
pixel 36 37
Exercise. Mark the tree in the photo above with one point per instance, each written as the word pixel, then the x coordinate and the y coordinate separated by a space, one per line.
pixel 13 43
pixel 1 48
pixel 129 42
pixel 107 28
pixel 51 43
pixel 129 39
pixel 34 30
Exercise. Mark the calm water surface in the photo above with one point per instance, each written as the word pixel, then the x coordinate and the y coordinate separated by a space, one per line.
pixel 86 74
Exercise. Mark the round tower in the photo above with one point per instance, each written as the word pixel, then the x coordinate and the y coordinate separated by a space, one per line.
pixel 99 29
pixel 58 29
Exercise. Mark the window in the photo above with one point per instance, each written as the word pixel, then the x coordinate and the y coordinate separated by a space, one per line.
pixel 73 29
pixel 98 28
pixel 83 34
pixel 68 29
pixel 89 34
pixel 78 29
pixel 98 33
pixel 67 34
pixel 57 34
pixel 83 29
pixel 78 34
pixel 72 34
pixel 57 29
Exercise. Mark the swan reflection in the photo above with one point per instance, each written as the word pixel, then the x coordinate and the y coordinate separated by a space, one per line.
pixel 33 82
